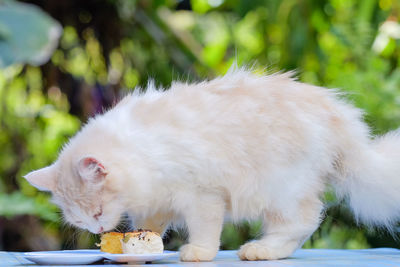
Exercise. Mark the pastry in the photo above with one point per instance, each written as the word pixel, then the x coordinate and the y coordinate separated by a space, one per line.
pixel 136 242
pixel 142 242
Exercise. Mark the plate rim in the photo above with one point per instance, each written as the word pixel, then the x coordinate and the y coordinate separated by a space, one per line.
pixel 164 253
pixel 140 257
pixel 65 259
pixel 58 253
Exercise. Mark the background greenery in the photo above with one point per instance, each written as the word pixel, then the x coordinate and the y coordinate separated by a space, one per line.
pixel 108 47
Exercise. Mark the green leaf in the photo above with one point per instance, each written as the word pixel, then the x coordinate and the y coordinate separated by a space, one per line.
pixel 27 34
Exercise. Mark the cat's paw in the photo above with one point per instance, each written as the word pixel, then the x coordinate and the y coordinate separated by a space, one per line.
pixel 191 252
pixel 257 250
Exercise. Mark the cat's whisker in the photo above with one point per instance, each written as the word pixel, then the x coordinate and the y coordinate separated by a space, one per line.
pixel 87 236
pixel 69 234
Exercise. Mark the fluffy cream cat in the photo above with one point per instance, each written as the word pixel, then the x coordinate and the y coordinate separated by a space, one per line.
pixel 242 146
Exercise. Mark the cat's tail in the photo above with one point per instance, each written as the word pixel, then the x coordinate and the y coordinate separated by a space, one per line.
pixel 369 178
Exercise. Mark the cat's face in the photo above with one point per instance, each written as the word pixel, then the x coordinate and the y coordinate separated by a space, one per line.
pixel 83 192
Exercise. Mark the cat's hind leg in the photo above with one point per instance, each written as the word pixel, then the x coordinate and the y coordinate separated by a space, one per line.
pixel 284 232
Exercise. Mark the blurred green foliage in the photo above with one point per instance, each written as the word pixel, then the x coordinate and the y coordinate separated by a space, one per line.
pixel 347 44
pixel 27 34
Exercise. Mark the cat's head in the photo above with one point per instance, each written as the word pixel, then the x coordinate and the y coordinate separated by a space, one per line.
pixel 84 191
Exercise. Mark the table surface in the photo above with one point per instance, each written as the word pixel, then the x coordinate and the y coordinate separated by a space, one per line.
pixel 302 257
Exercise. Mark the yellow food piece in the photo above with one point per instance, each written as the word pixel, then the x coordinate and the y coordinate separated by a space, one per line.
pixel 111 242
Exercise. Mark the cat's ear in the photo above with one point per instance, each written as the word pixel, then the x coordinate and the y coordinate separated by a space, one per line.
pixel 43 179
pixel 91 170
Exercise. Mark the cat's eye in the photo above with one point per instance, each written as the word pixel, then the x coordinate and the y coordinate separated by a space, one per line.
pixel 98 214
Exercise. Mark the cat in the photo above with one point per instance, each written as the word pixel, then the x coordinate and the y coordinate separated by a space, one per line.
pixel 243 146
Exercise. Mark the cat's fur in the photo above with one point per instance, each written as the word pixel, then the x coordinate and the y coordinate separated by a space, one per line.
pixel 242 146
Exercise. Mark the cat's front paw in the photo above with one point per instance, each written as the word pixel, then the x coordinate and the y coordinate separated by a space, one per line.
pixel 191 252
pixel 257 250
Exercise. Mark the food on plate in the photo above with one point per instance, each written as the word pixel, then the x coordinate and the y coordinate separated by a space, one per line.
pixel 142 242
pixel 136 242
pixel 111 242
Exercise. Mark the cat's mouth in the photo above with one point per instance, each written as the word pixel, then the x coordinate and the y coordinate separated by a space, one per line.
pixel 97 230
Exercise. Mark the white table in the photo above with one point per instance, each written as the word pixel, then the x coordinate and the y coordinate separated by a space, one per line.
pixel 304 257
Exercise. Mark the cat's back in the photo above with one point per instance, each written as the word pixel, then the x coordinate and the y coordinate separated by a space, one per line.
pixel 273 111
pixel 236 98
pixel 237 125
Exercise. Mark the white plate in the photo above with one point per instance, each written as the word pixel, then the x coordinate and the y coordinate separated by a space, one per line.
pixel 84 256
pixel 139 257
pixel 87 256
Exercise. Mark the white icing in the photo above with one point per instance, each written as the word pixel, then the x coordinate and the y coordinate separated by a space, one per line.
pixel 142 244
